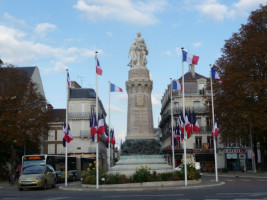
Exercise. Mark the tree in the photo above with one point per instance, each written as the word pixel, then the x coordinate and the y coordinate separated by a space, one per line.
pixel 24 116
pixel 240 100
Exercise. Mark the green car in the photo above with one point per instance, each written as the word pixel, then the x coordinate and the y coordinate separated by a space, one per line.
pixel 37 176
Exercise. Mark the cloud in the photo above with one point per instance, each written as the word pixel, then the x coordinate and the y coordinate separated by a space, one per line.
pixel 120 136
pixel 168 53
pixel 134 12
pixel 109 34
pixel 122 97
pixel 155 98
pixel 43 28
pixel 116 109
pixel 14 20
pixel 214 10
pixel 13 42
pixel 197 44
pixel 218 12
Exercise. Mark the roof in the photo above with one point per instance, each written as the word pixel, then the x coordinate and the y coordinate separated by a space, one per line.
pixel 58 115
pixel 29 70
pixel 188 77
pixel 82 93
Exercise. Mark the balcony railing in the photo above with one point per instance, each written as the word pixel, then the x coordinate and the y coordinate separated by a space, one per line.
pixel 79 115
pixel 203 145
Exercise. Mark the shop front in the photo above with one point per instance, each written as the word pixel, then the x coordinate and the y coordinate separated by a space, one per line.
pixel 236 159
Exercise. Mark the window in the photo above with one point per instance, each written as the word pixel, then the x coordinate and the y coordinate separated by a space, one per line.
pixel 51 148
pixel 201 88
pixel 198 142
pixel 51 135
pixel 196 105
pixel 60 149
pixel 210 141
pixel 59 135
pixel 176 106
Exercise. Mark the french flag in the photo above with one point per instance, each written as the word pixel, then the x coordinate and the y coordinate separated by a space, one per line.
pixel 67 136
pixel 68 79
pixel 215 75
pixel 189 58
pixel 215 130
pixel 98 67
pixel 176 85
pixel 114 88
pixel 196 127
pixel 101 126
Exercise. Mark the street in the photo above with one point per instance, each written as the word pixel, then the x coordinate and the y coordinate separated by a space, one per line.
pixel 234 188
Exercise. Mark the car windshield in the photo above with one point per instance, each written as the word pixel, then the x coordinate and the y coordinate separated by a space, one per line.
pixel 33 170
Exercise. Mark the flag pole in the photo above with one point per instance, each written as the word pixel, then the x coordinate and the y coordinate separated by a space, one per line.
pixel 213 122
pixel 172 139
pixel 96 110
pixel 66 149
pixel 185 133
pixel 109 160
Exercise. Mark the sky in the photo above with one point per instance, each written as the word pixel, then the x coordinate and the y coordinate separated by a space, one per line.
pixel 64 34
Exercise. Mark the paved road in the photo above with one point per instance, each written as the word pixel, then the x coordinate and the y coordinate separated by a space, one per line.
pixel 234 188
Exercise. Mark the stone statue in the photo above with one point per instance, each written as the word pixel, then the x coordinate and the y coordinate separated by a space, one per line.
pixel 138 52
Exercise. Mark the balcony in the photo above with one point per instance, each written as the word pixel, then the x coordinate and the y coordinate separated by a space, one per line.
pixel 79 115
pixel 85 133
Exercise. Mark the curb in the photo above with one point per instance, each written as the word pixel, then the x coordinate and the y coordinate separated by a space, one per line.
pixel 81 188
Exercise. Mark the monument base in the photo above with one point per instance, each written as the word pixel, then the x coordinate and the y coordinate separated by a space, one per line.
pixel 137 153
pixel 129 163
pixel 143 147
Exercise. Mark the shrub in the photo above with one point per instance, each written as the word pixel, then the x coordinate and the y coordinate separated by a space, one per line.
pixel 141 175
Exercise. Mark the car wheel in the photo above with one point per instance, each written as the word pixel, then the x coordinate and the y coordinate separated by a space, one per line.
pixel 54 184
pixel 45 185
pixel 20 189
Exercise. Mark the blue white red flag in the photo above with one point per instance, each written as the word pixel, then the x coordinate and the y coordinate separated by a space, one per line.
pixel 68 79
pixel 215 75
pixel 67 136
pixel 176 85
pixel 215 129
pixel 196 127
pixel 114 88
pixel 98 67
pixel 189 58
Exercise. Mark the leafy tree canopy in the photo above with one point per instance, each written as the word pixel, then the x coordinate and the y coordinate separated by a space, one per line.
pixel 240 100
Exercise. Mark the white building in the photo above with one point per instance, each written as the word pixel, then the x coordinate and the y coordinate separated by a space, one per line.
pixel 199 145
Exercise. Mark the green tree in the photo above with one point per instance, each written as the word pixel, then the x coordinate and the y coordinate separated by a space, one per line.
pixel 24 116
pixel 240 100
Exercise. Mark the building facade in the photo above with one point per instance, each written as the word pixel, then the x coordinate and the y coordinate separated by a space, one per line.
pixel 200 146
pixel 81 105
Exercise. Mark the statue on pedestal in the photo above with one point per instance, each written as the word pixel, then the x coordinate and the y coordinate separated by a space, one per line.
pixel 138 52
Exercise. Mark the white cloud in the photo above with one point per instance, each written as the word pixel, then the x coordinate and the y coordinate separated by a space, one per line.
pixel 120 136
pixel 13 42
pixel 109 34
pixel 218 12
pixel 197 44
pixel 134 12
pixel 155 98
pixel 43 28
pixel 244 7
pixel 116 109
pixel 122 97
pixel 14 20
pixel 214 10
pixel 168 53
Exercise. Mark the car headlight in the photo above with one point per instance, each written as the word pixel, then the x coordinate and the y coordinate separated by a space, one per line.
pixel 39 177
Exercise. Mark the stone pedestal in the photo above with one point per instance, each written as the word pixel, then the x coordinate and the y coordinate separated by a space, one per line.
pixel 139 118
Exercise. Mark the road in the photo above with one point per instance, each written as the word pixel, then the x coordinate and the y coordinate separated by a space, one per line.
pixel 234 188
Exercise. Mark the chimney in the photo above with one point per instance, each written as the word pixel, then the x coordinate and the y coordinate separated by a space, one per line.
pixel 192 69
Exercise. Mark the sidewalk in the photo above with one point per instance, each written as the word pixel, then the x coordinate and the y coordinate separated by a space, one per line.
pixel 238 174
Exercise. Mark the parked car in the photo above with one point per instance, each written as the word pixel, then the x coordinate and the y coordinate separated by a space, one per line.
pixel 38 176
pixel 197 166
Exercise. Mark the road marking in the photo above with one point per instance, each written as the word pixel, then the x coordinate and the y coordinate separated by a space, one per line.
pixel 146 195
pixel 244 180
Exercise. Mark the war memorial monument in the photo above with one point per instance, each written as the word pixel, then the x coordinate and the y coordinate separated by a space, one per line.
pixel 140 148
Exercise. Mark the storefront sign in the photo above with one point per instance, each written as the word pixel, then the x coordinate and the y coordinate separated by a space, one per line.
pixel 235 150
pixel 231 156
pixel 242 156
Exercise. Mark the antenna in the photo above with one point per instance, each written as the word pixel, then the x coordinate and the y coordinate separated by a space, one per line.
pixel 81 79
